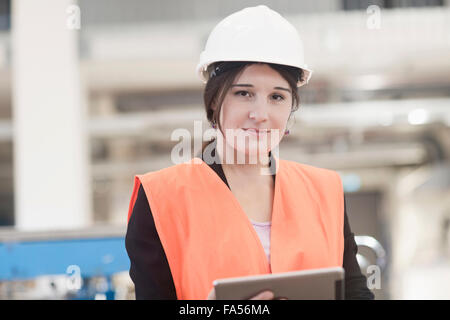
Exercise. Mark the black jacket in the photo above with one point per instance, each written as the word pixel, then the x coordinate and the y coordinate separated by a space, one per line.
pixel 151 273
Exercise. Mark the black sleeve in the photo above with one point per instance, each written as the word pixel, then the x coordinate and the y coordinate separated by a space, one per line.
pixel 149 269
pixel 355 281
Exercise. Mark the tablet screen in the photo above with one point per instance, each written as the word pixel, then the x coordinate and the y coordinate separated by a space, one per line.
pixel 313 284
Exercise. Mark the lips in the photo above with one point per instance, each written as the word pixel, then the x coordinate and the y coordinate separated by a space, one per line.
pixel 255 131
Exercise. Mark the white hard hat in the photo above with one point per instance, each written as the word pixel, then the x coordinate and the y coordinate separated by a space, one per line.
pixel 256 34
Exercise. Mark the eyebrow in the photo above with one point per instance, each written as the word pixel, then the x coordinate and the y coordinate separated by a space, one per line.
pixel 250 85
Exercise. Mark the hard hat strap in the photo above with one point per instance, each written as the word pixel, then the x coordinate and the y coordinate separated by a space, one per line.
pixel 222 67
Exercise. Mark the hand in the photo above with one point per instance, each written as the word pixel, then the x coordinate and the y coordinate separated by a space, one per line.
pixel 264 295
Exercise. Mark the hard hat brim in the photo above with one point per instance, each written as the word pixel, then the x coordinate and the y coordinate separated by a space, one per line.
pixel 307 73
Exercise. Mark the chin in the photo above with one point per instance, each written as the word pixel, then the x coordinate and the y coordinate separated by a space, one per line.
pixel 248 145
pixel 252 150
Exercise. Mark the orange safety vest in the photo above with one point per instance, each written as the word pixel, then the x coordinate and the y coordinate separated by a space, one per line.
pixel 206 235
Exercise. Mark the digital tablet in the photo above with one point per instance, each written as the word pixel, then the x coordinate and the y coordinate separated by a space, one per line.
pixel 313 284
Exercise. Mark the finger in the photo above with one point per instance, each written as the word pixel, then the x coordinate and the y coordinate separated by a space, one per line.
pixel 265 295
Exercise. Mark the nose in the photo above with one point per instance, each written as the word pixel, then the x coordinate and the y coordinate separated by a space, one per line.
pixel 260 111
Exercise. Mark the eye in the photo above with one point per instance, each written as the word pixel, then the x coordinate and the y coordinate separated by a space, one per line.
pixel 242 93
pixel 278 97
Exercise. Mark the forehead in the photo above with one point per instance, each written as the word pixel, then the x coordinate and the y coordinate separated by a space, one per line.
pixel 261 74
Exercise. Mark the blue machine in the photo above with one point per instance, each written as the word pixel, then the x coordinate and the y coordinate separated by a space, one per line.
pixel 93 252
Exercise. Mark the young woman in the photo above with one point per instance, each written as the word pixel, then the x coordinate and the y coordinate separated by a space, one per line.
pixel 237 209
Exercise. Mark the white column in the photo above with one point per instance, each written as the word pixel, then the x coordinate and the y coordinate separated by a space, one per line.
pixel 51 180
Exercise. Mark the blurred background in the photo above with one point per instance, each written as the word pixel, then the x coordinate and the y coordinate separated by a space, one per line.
pixel 91 91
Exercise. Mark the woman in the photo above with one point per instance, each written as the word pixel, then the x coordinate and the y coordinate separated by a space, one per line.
pixel 240 210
